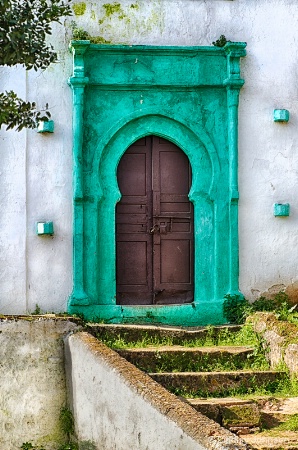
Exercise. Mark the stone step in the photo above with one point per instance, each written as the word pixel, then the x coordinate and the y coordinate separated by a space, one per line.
pixel 246 415
pixel 275 411
pixel 204 384
pixel 134 333
pixel 179 358
pixel 230 412
pixel 272 440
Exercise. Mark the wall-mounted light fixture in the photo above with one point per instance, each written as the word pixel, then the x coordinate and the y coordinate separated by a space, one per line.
pixel 281 209
pixel 45 126
pixel 45 228
pixel 281 115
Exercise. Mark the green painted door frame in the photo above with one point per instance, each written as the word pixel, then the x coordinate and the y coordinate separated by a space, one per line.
pixel 190 96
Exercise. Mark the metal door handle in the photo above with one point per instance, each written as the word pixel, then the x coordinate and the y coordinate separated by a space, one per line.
pixel 154 229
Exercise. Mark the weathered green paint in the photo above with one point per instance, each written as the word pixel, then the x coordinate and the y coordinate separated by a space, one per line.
pixel 79 8
pixel 188 95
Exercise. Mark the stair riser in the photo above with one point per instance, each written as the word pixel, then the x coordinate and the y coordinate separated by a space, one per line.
pixel 186 361
pixel 244 415
pixel 133 334
pixel 208 384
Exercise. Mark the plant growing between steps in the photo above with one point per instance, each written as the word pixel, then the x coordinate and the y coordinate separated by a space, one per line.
pixel 236 309
pixel 291 424
pixel 211 337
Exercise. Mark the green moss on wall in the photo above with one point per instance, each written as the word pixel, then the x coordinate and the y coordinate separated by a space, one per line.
pixel 132 19
pixel 79 8
pixel 113 8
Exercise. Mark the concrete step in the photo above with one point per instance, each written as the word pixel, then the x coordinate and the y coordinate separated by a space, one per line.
pixel 204 384
pixel 191 359
pixel 134 333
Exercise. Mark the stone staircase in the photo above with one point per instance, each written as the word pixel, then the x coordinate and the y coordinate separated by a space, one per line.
pixel 214 379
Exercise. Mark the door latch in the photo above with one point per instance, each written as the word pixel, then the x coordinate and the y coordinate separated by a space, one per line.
pixel 163 228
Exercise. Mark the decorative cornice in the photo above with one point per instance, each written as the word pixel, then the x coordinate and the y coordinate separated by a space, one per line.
pixel 234 51
pixel 78 82
pixel 78 49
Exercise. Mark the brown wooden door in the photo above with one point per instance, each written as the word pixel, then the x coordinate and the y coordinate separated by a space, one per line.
pixel 154 225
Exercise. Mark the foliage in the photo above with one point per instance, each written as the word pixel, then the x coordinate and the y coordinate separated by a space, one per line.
pixel 279 304
pixel 37 310
pixel 24 26
pixel 283 386
pixel 235 308
pixel 211 337
pixel 29 446
pixel 78 33
pixel 221 42
pixel 69 446
pixel 67 425
pixel 67 422
pixel 289 425
pixel 16 113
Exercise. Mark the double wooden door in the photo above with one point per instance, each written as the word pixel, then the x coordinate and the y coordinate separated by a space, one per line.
pixel 154 225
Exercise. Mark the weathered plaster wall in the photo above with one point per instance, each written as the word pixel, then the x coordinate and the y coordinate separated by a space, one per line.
pixel 36 170
pixel 116 406
pixel 32 380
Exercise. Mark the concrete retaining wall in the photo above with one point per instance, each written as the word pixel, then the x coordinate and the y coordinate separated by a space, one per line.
pixel 32 381
pixel 116 406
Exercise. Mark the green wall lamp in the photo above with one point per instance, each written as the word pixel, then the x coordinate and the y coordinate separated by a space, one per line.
pixel 281 209
pixel 281 115
pixel 45 126
pixel 44 228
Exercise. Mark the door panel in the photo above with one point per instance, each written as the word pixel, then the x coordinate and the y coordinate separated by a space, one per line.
pixel 134 242
pixel 154 225
pixel 173 248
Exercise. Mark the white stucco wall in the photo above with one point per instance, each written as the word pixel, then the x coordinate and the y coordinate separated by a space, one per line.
pixel 36 169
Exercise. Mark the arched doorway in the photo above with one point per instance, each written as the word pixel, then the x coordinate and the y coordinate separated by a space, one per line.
pixel 188 95
pixel 154 225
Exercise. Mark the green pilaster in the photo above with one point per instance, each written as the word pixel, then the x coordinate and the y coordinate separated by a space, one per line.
pixel 188 95
pixel 78 82
pixel 234 51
